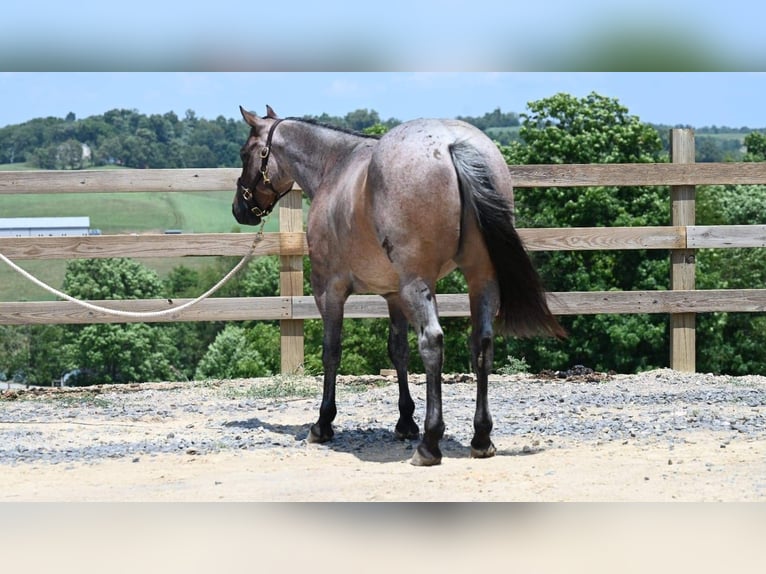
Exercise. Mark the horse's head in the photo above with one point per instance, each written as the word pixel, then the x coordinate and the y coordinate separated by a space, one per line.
pixel 262 183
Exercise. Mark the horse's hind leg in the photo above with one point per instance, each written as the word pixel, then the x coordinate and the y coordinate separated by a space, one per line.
pixel 484 304
pixel 418 298
pixel 399 352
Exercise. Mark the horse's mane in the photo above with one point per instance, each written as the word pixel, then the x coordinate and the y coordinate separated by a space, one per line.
pixel 314 122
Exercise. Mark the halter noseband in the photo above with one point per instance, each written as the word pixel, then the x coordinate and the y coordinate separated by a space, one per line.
pixel 263 174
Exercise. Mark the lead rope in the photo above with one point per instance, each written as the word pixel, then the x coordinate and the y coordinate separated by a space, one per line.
pixel 141 314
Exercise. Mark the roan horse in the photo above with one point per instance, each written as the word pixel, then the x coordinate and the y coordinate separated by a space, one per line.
pixel 390 216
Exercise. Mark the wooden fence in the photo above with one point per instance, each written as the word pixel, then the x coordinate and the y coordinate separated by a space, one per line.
pixel 681 301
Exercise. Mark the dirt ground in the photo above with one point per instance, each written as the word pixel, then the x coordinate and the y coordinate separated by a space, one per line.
pixel 581 472
pixel 701 467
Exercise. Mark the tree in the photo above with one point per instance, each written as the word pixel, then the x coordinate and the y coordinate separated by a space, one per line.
pixel 69 154
pixel 117 353
pixel 594 129
pixel 731 343
pixel 493 119
pixel 360 119
pixel 755 142
pixel 14 351
pixel 239 353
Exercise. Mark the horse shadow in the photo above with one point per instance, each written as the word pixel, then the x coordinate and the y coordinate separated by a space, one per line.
pixel 370 444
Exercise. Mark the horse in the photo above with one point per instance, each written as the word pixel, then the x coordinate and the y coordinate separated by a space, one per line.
pixel 391 215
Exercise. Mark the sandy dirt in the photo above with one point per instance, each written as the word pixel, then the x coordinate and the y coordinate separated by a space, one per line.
pixel 697 471
pixel 693 465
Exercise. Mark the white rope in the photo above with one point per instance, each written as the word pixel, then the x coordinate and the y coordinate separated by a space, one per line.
pixel 138 314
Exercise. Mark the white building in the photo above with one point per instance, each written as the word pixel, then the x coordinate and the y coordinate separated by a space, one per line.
pixel 45 226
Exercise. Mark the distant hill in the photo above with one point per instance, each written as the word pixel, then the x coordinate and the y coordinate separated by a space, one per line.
pixel 127 138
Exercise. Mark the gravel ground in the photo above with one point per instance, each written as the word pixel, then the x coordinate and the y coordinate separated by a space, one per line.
pixel 544 411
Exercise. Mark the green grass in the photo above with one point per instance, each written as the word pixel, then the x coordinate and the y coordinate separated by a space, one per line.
pixel 113 213
pixel 14 287
pixel 15 167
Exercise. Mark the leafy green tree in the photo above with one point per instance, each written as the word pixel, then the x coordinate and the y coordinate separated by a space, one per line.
pixel 731 343
pixel 252 348
pixel 191 338
pixel 123 353
pixel 31 353
pixel 14 351
pixel 239 353
pixel 46 364
pixel 69 154
pixel 756 146
pixel 117 353
pixel 494 119
pixel 359 120
pixel 45 157
pixel 594 129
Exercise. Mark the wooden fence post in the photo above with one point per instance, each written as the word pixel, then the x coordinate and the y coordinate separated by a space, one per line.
pixel 682 261
pixel 291 284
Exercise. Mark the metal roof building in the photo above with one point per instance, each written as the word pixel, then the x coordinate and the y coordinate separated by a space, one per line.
pixel 44 226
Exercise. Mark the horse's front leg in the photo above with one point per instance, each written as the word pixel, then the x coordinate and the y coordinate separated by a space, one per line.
pixel 399 353
pixel 332 317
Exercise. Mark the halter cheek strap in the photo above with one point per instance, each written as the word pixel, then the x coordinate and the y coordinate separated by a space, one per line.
pixel 263 174
pixel 265 153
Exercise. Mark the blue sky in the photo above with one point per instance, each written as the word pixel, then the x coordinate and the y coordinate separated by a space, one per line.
pixel 733 99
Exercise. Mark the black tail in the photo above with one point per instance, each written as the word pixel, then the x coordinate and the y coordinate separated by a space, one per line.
pixel 523 307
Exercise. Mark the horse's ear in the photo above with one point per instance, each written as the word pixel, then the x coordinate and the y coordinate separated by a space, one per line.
pixel 249 117
pixel 270 113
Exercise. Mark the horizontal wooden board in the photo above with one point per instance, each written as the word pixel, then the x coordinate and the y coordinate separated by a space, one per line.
pixel 722 236
pixel 544 175
pixel 373 306
pixel 119 180
pixel 632 302
pixel 575 303
pixel 593 238
pixel 207 244
pixel 153 245
pixel 212 309
pixel 637 174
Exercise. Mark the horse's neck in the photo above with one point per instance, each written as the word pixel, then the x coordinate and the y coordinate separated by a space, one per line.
pixel 311 152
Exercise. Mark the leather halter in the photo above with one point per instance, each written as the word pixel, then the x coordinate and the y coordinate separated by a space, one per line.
pixel 263 174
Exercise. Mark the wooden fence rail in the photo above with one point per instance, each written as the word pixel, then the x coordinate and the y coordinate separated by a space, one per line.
pixel 682 301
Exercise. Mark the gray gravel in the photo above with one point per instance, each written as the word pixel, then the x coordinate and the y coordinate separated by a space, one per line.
pixel 64 426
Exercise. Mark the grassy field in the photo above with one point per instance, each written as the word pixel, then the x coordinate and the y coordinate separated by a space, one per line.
pixel 117 213
pixel 193 212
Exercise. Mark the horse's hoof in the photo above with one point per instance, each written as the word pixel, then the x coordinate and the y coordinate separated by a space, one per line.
pixel 407 430
pixel 421 457
pixel 483 452
pixel 317 436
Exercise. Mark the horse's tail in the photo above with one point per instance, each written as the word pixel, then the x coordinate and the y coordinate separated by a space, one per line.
pixel 523 306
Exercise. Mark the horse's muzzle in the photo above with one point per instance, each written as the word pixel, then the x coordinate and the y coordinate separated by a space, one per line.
pixel 242 213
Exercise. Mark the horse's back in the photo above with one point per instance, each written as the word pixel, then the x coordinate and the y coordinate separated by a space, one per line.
pixel 417 153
